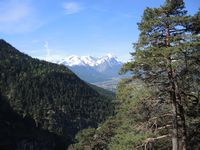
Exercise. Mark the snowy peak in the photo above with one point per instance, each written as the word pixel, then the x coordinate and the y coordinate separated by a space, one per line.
pixel 109 60
pixel 91 69
pixel 79 61
pixel 90 61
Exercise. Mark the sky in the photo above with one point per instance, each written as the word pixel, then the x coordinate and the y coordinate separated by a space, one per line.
pixel 59 28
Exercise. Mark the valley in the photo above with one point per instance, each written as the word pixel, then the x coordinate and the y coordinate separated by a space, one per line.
pixel 102 71
pixel 100 75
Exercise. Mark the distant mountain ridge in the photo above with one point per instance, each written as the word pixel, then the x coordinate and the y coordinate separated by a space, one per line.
pixel 92 69
pixel 91 61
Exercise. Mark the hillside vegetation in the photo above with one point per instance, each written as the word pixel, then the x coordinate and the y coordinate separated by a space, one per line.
pixel 46 106
pixel 51 97
pixel 158 108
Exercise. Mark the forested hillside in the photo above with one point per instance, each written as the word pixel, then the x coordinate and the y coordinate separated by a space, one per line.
pixel 102 91
pixel 43 102
pixel 44 106
pixel 158 108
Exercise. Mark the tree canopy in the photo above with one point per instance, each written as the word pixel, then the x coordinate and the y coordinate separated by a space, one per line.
pixel 167 56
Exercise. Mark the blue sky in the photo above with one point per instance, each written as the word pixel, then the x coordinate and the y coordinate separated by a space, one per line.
pixel 59 28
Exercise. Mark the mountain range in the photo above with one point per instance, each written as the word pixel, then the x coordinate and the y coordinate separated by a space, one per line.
pixel 96 70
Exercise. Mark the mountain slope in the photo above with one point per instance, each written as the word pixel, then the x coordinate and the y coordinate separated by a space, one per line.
pixel 102 91
pixel 52 96
pixel 20 132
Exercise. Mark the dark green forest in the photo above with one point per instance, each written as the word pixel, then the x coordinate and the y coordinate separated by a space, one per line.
pixel 158 107
pixel 43 105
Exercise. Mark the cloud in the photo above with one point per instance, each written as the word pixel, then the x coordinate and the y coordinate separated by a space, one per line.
pixel 72 7
pixel 46 46
pixel 17 16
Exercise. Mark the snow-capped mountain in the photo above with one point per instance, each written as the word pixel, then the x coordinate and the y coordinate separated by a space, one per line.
pixel 92 69
pixel 78 61
pixel 74 60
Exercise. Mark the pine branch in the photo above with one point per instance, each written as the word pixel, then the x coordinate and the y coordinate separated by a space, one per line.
pixel 149 141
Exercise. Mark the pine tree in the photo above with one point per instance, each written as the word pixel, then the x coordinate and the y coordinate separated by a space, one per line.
pixel 195 23
pixel 165 55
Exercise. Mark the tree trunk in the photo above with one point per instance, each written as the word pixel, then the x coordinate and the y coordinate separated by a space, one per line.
pixel 184 133
pixel 181 111
pixel 183 141
pixel 175 144
pixel 175 141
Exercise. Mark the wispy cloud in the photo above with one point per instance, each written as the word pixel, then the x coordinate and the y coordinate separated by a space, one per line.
pixel 17 16
pixel 72 7
pixel 46 46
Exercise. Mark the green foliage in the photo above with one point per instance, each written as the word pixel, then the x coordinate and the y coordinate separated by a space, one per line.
pixel 195 23
pixel 85 138
pixel 161 100
pixel 167 57
pixel 53 96
pixel 20 132
pixel 106 93
pixel 96 139
pixel 123 130
pixel 127 141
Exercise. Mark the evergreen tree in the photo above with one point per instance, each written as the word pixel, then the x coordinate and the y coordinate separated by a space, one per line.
pixel 195 23
pixel 166 56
